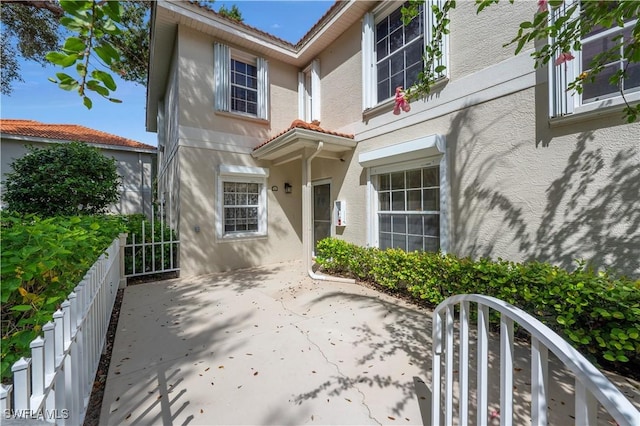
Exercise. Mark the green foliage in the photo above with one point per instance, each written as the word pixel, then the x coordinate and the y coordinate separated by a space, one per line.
pixel 65 179
pixel 550 38
pixel 89 22
pixel 133 41
pixel 42 261
pixel 597 312
pixel 231 13
pixel 28 33
pixel 161 255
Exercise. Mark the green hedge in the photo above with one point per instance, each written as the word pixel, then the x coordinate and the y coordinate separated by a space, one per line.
pixel 42 261
pixel 597 312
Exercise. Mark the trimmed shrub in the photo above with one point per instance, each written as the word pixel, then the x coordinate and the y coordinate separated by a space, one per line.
pixel 62 180
pixel 594 310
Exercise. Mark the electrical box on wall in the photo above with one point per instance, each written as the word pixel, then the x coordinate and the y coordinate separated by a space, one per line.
pixel 340 213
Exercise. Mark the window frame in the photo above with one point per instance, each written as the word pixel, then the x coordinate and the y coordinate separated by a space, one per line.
pixel 309 92
pixel 406 212
pixel 223 56
pixel 428 151
pixel 248 175
pixel 369 51
pixel 565 103
pixel 595 37
pixel 248 63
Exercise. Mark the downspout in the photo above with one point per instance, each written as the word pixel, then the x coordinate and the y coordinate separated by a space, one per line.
pixel 308 234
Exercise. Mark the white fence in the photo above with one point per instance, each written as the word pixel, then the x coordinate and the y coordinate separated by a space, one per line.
pixel 55 383
pixel 150 253
pixel 591 386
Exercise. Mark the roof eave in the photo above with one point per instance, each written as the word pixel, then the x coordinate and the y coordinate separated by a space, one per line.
pixel 27 138
pixel 298 138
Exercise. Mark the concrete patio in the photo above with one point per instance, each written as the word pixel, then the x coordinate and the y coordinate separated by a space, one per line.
pixel 271 346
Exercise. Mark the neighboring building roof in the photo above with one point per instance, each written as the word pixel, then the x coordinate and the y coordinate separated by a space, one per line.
pixel 67 132
pixel 314 126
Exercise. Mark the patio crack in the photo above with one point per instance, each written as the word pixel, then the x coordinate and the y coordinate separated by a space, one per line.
pixel 346 382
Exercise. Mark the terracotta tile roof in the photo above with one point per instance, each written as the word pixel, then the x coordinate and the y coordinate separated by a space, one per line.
pixel 299 124
pixel 66 132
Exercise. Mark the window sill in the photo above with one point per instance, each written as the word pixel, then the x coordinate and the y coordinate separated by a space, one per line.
pixel 241 116
pixel 230 238
pixel 387 105
pixel 600 109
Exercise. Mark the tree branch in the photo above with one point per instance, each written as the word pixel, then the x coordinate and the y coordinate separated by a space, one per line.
pixel 49 5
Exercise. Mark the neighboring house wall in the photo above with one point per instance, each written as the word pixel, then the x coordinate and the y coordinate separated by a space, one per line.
pixel 513 183
pixel 134 168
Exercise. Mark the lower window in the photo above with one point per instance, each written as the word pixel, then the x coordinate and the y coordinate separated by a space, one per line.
pixel 241 207
pixel 409 209
pixel 241 202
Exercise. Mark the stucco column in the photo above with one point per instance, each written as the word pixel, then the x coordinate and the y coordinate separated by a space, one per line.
pixel 307 233
pixel 307 200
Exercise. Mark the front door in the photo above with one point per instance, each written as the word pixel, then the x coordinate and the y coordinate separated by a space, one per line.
pixel 321 212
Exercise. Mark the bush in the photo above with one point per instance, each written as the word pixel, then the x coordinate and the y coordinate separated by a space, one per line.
pixel 42 262
pixel 597 312
pixel 62 180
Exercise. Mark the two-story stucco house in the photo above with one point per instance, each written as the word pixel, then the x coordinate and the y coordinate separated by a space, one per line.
pixel 259 138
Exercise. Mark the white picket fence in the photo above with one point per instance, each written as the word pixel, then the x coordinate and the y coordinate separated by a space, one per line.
pixel 591 386
pixel 55 383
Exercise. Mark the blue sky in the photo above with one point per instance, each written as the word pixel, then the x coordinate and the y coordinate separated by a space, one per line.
pixel 38 99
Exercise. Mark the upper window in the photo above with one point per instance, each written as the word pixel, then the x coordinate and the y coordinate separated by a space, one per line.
pixel 244 87
pixel 392 53
pixel 600 92
pixel 241 83
pixel 309 92
pixel 599 41
pixel 399 51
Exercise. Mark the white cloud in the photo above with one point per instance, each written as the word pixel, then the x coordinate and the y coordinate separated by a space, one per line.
pixel 276 26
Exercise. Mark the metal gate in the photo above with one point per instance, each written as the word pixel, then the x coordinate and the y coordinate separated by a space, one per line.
pixel 152 247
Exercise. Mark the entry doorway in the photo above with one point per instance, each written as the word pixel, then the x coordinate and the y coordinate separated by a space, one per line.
pixel 321 211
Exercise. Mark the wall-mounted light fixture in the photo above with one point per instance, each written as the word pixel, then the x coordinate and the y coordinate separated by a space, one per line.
pixel 274 188
pixel 287 188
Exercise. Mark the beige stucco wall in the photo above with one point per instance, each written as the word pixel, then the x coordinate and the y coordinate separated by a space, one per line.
pixel 197 92
pixel 476 39
pixel 134 168
pixel 520 188
pixel 204 251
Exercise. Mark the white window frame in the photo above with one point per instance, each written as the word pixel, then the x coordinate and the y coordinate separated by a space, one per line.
pixel 565 102
pixel 222 56
pixel 242 174
pixel 309 92
pixel 424 152
pixel 369 56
